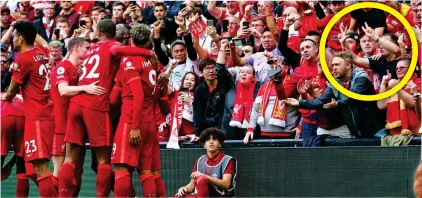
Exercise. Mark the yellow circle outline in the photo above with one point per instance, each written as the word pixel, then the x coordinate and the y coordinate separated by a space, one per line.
pixel 337 85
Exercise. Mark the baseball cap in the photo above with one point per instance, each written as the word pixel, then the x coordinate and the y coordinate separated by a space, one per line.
pixel 336 1
pixel 353 35
pixel 3 47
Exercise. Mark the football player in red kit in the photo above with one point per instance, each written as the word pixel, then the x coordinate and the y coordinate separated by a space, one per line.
pixel 131 145
pixel 12 129
pixel 89 114
pixel 31 77
pixel 64 79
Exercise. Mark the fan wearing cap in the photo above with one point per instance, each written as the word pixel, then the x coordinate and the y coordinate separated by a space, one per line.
pixel 351 42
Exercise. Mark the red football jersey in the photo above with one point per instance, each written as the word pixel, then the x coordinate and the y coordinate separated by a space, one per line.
pixel 100 66
pixel 12 108
pixel 65 71
pixel 138 68
pixel 31 70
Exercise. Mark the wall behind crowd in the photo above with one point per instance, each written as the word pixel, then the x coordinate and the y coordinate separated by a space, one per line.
pixel 257 61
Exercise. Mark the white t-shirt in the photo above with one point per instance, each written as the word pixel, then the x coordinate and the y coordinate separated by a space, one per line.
pixel 180 70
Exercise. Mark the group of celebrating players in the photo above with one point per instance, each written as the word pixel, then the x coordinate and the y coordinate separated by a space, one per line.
pixel 65 105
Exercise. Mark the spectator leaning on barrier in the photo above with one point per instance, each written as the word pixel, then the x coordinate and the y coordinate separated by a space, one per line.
pixel 181 120
pixel 271 114
pixel 208 105
pixel 45 25
pixel 213 174
pixel 308 70
pixel 402 117
pixel 239 100
pixel 362 118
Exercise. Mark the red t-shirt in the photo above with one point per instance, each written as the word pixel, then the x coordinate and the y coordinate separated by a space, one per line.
pixel 12 108
pixel 100 66
pixel 65 71
pixel 332 39
pixel 30 70
pixel 83 7
pixel 139 77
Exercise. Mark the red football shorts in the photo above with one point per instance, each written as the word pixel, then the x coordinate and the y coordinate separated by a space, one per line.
pixel 59 145
pixel 38 139
pixel 150 147
pixel 123 151
pixel 12 128
pixel 83 121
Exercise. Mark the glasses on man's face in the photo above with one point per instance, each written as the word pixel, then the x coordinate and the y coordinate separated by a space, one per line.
pixel 209 68
pixel 247 51
pixel 400 68
pixel 3 61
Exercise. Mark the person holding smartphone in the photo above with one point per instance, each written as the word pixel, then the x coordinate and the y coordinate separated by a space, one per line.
pixel 181 119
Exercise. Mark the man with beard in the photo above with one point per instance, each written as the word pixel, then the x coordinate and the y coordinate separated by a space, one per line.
pixel 362 118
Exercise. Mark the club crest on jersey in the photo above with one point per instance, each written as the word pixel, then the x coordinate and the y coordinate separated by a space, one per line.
pixel 60 71
pixel 15 67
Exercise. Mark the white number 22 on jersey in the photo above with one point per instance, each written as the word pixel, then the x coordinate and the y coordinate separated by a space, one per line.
pixel 92 60
pixel 43 70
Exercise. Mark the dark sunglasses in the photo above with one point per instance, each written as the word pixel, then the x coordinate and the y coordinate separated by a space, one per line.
pixel 3 61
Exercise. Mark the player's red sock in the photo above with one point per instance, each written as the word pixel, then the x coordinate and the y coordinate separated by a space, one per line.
pixel 148 185
pixel 66 174
pixel 77 182
pixel 202 186
pixel 122 184
pixel 56 183
pixel 159 185
pixel 45 186
pixel 103 180
pixel 22 185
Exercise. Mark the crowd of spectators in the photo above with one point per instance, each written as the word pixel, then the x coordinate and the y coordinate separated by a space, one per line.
pixel 254 71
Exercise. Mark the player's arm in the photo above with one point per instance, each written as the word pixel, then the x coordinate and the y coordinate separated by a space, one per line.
pixel 13 89
pixel 118 50
pixel 138 99
pixel 39 40
pixel 115 94
pixel 66 90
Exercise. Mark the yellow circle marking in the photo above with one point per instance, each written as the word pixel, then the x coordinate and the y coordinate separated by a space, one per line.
pixel 337 85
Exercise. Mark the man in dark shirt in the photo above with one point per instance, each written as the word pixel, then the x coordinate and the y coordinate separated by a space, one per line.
pixel 5 74
pixel 389 51
pixel 5 20
pixel 208 105
pixel 375 18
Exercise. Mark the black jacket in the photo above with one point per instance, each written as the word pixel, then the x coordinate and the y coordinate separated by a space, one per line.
pixel 208 108
pixel 42 31
pixel 363 118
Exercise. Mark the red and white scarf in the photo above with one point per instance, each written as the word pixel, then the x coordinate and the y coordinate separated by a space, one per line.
pixel 278 115
pixel 47 26
pixel 397 112
pixel 177 114
pixel 243 103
